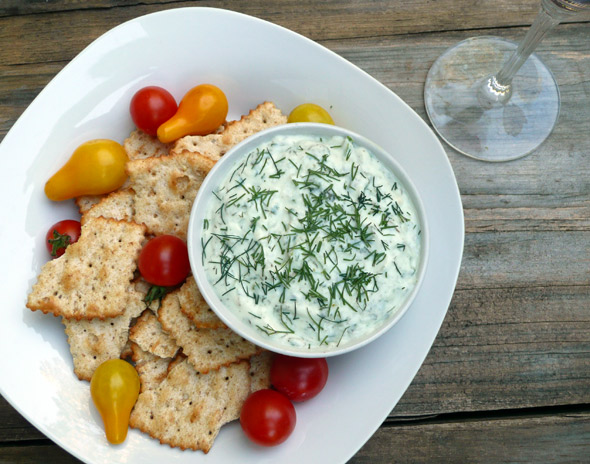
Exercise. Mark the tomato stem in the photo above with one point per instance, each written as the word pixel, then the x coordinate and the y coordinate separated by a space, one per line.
pixel 58 241
pixel 156 292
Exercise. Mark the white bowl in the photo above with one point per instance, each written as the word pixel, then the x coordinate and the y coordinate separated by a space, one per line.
pixel 205 196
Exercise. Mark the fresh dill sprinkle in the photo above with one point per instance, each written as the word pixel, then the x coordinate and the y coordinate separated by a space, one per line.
pixel 311 240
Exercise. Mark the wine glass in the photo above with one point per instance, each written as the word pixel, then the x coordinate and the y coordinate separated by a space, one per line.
pixel 492 99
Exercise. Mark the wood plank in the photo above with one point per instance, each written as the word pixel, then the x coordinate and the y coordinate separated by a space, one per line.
pixel 519 259
pixel 561 438
pixel 36 453
pixel 64 32
pixel 505 348
pixel 325 19
pixel 19 85
pixel 531 438
pixel 14 427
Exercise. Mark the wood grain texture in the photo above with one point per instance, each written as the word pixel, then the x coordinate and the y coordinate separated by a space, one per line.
pixel 45 453
pixel 77 23
pixel 504 348
pixel 562 437
pixel 14 427
pixel 516 333
pixel 319 19
pixel 548 439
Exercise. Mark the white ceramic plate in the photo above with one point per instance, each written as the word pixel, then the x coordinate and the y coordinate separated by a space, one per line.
pixel 252 61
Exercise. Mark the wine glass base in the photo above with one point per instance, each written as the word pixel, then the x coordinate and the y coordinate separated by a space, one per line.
pixel 476 128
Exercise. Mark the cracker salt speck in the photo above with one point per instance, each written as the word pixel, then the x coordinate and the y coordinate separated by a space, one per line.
pixel 86 202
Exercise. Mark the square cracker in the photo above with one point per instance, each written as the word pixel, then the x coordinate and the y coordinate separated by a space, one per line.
pixel 213 146
pixel 140 145
pixel 207 349
pixel 147 333
pixel 165 189
pixel 119 205
pixel 152 369
pixel 188 408
pixel 91 279
pixel 260 371
pixel 94 341
pixel 86 202
pixel 194 306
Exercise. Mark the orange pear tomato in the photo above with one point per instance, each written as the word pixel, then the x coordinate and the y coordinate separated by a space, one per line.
pixel 202 110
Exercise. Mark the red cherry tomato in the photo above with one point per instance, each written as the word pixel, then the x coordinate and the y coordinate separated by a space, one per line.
pixel 163 261
pixel 60 235
pixel 150 107
pixel 299 379
pixel 268 417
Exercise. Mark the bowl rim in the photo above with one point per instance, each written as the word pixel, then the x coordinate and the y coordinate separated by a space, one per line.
pixel 220 170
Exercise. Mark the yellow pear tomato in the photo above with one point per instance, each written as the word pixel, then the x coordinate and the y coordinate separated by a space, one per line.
pixel 114 389
pixel 95 167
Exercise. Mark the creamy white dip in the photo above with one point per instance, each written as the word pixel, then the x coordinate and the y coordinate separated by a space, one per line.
pixel 312 241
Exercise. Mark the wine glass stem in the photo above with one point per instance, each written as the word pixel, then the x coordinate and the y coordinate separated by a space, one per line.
pixel 497 89
pixel 543 23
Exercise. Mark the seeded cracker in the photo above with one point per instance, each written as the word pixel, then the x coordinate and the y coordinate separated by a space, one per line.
pixel 92 277
pixel 194 306
pixel 126 352
pixel 152 369
pixel 95 341
pixel 180 356
pixel 116 205
pixel 165 189
pixel 86 202
pixel 207 349
pixel 188 409
pixel 260 371
pixel 140 145
pixel 213 146
pixel 147 333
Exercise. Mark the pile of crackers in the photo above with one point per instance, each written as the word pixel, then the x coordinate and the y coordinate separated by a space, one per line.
pixel 195 372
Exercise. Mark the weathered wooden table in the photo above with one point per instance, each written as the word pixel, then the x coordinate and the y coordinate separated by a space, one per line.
pixel 508 377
